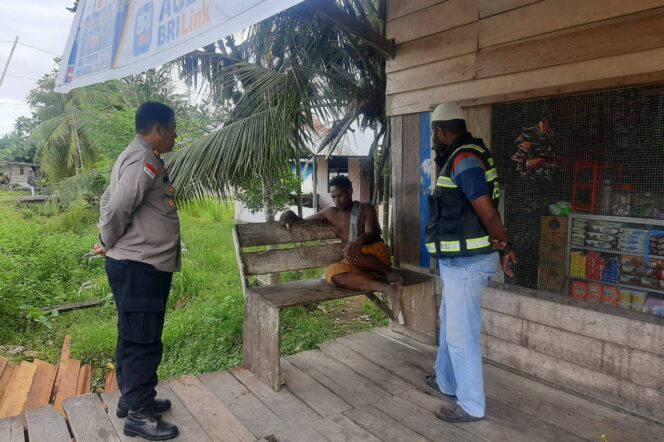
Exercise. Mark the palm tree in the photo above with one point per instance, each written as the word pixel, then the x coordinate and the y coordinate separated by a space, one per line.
pixel 289 67
pixel 62 132
pixel 271 123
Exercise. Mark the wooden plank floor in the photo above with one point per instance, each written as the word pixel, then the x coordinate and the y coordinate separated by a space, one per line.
pixel 362 387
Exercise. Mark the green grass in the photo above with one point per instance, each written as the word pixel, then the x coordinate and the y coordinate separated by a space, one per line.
pixel 203 329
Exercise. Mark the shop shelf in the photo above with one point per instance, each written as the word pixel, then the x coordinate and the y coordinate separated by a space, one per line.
pixel 613 252
pixel 626 286
pixel 639 223
pixel 609 251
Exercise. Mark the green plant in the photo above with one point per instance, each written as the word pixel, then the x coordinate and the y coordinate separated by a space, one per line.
pixel 282 190
pixel 33 314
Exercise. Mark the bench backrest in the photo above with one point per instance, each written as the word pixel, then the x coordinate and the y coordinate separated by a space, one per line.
pixel 264 248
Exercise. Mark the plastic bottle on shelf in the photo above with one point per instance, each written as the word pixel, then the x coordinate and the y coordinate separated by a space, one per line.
pixel 606 198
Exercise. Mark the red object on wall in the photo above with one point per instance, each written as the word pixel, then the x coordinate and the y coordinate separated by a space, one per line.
pixel 588 177
pixel 585 187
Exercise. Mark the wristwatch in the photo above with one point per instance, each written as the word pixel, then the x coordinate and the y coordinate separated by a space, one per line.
pixel 505 250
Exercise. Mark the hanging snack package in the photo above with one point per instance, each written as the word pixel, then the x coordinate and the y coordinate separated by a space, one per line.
pixel 536 156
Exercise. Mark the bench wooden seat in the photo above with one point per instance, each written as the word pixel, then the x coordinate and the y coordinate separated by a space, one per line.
pixel 290 294
pixel 264 248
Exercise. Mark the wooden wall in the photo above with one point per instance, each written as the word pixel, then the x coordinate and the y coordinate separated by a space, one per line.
pixel 406 239
pixel 487 51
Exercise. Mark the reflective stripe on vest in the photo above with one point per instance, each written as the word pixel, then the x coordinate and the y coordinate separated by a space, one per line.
pixel 472 146
pixel 444 181
pixel 455 246
pixel 450 246
pixel 477 243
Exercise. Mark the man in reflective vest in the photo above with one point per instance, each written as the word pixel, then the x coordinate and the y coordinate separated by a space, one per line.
pixel 467 237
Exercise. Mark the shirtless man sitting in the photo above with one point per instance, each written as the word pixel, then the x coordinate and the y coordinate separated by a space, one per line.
pixel 365 255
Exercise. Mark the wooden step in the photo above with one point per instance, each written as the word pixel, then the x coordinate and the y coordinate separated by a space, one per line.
pixel 111 382
pixel 68 382
pixel 88 419
pixel 64 357
pixel 18 389
pixel 3 364
pixel 40 393
pixel 84 377
pixel 46 425
pixel 11 429
pixel 6 377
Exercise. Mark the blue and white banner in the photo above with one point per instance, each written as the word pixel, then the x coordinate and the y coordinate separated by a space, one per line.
pixel 115 38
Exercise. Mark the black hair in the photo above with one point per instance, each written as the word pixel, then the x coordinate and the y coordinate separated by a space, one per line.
pixel 152 113
pixel 457 126
pixel 341 181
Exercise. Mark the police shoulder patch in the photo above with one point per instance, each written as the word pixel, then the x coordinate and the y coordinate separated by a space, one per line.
pixel 150 170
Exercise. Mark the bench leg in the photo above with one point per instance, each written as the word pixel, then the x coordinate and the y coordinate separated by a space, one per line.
pixel 420 312
pixel 262 340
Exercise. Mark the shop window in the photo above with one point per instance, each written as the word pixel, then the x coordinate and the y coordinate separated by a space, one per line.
pixel 599 156
pixel 336 166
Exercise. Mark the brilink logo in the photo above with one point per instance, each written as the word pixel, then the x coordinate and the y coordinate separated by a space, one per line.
pixel 143 29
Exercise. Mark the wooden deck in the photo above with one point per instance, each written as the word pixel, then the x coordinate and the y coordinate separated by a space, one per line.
pixel 362 387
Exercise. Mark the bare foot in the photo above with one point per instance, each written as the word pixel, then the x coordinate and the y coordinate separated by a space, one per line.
pixel 394 277
pixel 394 293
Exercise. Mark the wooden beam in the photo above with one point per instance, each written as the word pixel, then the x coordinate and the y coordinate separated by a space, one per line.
pixel 347 22
pixel 75 306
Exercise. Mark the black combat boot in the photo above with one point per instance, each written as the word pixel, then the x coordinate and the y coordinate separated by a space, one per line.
pixel 146 423
pixel 158 405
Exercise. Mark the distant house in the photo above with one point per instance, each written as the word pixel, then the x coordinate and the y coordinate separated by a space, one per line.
pixel 348 159
pixel 17 173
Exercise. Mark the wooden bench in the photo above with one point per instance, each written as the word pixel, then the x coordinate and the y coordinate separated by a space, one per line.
pixel 266 248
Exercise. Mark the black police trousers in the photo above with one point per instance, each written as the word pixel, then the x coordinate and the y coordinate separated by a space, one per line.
pixel 141 293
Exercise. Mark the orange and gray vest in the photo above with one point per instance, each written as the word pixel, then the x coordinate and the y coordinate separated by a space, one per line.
pixel 453 228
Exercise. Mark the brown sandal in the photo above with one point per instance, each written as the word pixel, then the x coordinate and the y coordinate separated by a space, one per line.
pixel 455 413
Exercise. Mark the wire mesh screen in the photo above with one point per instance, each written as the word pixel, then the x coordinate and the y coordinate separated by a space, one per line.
pixel 600 153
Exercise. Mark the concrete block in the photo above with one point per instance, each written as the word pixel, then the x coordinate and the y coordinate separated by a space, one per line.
pixel 590 323
pixel 644 336
pixel 505 327
pixel 641 335
pixel 551 368
pixel 646 369
pixel 571 347
pixel 615 360
pixel 501 301
pixel 622 393
pixel 658 341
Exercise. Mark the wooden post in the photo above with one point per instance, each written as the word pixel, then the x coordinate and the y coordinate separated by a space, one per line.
pixel 386 209
pixel 315 183
pixel 298 174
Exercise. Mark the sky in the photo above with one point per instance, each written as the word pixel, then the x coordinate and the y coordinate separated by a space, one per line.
pixel 40 23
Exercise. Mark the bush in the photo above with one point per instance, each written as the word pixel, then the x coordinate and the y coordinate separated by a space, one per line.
pixel 251 193
pixel 43 262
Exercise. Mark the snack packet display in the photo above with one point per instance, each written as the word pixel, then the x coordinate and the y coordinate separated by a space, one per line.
pixel 536 155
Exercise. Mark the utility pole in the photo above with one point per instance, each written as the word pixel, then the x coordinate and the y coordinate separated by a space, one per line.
pixel 11 53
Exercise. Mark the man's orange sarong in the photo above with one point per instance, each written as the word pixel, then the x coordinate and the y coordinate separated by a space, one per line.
pixel 377 249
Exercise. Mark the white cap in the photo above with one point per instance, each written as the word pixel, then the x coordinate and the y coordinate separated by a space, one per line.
pixel 448 111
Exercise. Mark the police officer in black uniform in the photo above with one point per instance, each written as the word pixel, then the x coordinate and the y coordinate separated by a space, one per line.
pixel 140 236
